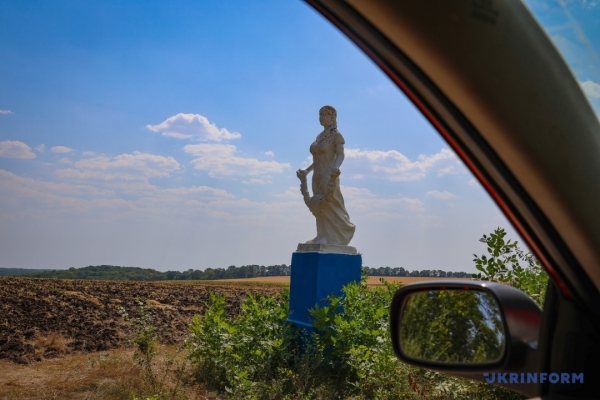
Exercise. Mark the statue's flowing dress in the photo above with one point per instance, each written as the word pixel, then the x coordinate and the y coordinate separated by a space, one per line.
pixel 333 223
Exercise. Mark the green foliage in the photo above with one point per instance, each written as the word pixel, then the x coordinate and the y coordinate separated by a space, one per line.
pixel 354 345
pixel 108 272
pixel 244 356
pixel 507 263
pixel 20 271
pixel 256 355
pixel 436 273
pixel 452 326
pixel 259 355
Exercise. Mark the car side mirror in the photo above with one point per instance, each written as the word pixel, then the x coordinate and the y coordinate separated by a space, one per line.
pixel 452 326
pixel 466 328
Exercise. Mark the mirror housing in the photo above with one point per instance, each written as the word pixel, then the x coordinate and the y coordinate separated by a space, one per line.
pixel 452 327
pixel 521 319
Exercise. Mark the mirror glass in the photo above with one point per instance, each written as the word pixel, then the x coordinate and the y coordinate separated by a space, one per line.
pixel 452 326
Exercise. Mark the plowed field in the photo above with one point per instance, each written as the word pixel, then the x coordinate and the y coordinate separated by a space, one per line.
pixel 371 281
pixel 43 318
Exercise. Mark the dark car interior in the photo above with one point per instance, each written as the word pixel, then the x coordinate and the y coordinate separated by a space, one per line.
pixel 491 82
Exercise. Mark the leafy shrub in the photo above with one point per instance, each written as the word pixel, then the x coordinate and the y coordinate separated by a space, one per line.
pixel 245 355
pixel 503 264
pixel 257 355
pixel 355 342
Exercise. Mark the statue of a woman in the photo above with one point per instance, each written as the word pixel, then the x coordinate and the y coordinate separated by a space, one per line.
pixel 327 203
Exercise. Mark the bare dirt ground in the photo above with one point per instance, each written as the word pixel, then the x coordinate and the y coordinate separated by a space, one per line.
pixel 65 339
pixel 372 281
pixel 46 318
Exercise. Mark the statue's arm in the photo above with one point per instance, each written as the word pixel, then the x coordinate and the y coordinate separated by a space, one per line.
pixel 304 172
pixel 339 157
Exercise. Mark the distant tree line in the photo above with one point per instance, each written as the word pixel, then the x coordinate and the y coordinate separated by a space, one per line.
pixel 232 272
pixel 106 272
pixel 19 271
pixel 113 272
pixel 387 271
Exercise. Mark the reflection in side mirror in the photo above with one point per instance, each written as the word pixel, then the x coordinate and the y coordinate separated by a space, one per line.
pixel 452 326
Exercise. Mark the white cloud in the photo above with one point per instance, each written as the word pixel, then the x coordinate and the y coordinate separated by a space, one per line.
pixel 356 176
pixel 381 216
pixel 589 3
pixel 39 188
pixel 204 190
pixel 362 203
pixel 292 193
pixel 89 153
pixel 364 200
pixel 127 172
pixel 255 181
pixel 59 197
pixel 270 153
pixel 591 89
pixel 356 193
pixel 436 194
pixel 395 166
pixel 473 182
pixel 192 126
pixel 220 160
pixel 40 148
pixel 71 173
pixel 124 166
pixel 136 197
pixel 60 149
pixel 6 112
pixel 15 149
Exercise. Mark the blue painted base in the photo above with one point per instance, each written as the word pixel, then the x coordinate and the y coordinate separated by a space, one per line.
pixel 314 276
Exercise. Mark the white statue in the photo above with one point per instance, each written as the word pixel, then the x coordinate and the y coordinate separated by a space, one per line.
pixel 327 204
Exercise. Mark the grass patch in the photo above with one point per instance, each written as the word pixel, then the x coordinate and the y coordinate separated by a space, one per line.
pixel 106 375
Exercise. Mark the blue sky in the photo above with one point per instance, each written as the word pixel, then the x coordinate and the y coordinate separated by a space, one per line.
pixel 166 135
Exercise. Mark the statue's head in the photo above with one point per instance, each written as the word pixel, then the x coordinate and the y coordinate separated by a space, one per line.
pixel 327 116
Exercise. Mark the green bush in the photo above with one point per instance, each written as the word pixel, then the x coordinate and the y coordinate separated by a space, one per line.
pixel 354 343
pixel 257 355
pixel 243 356
pixel 503 264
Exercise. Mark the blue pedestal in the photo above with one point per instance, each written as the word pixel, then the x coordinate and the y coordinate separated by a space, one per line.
pixel 314 276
